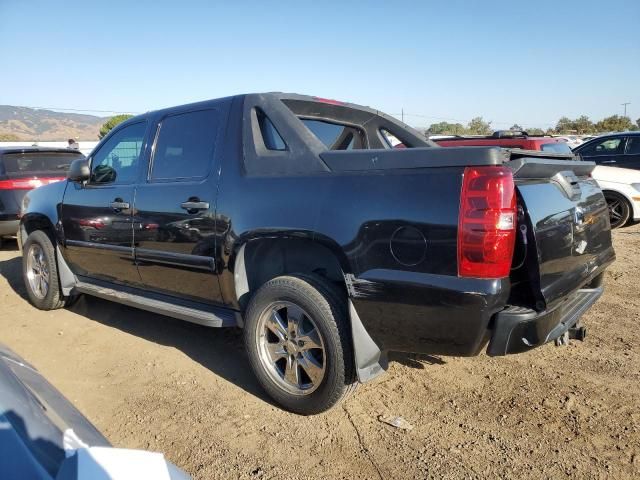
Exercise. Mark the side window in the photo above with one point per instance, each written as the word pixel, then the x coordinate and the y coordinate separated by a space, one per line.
pixel 633 145
pixel 185 145
pixel 270 136
pixel 609 146
pixel 391 140
pixel 334 135
pixel 117 160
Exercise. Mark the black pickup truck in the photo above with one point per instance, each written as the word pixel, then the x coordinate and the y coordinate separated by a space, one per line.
pixel 294 218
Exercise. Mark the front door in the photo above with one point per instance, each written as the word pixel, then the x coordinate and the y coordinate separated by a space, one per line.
pixel 97 218
pixel 174 225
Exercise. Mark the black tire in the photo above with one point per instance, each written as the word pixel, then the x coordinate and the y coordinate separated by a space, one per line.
pixel 53 299
pixel 327 307
pixel 619 209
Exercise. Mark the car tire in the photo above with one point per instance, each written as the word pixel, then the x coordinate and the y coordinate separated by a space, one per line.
pixel 299 344
pixel 40 272
pixel 619 209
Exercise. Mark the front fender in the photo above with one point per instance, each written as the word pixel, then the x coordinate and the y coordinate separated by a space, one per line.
pixel 41 209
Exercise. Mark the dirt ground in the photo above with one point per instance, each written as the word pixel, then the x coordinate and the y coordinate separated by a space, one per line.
pixel 156 383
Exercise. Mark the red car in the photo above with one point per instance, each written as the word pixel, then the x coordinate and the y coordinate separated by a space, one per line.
pixel 508 139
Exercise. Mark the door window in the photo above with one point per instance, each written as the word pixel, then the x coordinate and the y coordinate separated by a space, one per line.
pixel 117 160
pixel 608 146
pixel 633 146
pixel 185 146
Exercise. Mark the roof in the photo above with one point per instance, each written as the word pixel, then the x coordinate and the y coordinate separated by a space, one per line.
pixel 17 149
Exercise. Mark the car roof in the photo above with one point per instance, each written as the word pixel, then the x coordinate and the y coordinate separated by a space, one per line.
pixel 275 95
pixel 18 149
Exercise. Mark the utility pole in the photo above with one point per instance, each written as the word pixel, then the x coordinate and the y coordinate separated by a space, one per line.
pixel 625 107
pixel 402 113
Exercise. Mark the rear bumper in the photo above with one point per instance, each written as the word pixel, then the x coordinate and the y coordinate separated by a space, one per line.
pixel 518 329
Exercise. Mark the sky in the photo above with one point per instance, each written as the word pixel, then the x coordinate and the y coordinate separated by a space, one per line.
pixel 507 61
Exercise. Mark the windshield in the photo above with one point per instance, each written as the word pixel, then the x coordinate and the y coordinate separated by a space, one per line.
pixel 39 161
pixel 559 147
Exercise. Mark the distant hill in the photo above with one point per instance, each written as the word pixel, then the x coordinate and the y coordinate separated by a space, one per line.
pixel 21 123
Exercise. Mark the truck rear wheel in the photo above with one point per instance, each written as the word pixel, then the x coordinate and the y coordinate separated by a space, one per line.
pixel 298 342
pixel 40 272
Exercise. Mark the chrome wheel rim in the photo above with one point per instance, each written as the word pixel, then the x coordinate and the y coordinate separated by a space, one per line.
pixel 616 211
pixel 37 271
pixel 291 348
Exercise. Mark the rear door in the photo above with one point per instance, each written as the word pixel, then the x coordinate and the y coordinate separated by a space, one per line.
pixel 97 217
pixel 174 226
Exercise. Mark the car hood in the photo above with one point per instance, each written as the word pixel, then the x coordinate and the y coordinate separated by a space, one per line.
pixel 616 174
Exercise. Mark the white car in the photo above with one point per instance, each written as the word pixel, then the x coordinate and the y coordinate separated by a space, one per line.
pixel 621 188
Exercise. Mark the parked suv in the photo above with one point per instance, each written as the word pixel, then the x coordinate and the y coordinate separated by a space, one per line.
pixel 294 218
pixel 25 168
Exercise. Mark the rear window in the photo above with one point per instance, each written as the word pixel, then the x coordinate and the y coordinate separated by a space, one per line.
pixel 559 147
pixel 335 136
pixel 39 161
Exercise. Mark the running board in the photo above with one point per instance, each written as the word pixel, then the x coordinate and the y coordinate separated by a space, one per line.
pixel 201 314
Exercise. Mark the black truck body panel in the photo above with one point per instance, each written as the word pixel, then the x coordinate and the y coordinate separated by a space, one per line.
pixel 381 221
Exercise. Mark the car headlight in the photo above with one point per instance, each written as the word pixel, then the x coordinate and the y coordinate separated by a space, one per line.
pixel 636 186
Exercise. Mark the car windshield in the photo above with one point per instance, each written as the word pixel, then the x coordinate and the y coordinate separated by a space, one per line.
pixel 39 161
pixel 558 147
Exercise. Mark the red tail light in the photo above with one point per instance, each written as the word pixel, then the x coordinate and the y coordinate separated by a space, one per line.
pixel 487 223
pixel 27 183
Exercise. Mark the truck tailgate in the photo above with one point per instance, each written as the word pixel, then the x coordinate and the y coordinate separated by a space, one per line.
pixel 569 222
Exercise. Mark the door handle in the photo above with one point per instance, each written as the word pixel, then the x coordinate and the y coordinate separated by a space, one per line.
pixel 118 204
pixel 195 205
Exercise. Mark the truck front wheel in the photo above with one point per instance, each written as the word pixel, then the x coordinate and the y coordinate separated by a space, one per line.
pixel 298 342
pixel 40 272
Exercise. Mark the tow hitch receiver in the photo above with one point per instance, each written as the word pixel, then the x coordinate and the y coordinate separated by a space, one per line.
pixel 574 333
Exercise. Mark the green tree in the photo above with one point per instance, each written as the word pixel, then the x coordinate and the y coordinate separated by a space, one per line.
pixel 535 131
pixel 477 126
pixel 516 128
pixel 112 122
pixel 564 125
pixel 614 123
pixel 445 128
pixel 583 125
pixel 638 123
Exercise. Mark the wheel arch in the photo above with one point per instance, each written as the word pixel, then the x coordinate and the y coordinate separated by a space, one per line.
pixel 260 259
pixel 319 255
pixel 31 222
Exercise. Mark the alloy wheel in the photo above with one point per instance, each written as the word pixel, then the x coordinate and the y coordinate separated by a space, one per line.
pixel 291 348
pixel 37 271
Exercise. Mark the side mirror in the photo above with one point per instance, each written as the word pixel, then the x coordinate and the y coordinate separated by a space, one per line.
pixel 79 171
